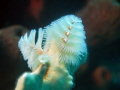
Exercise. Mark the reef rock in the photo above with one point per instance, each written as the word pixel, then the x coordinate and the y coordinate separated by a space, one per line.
pixel 101 19
pixel 11 62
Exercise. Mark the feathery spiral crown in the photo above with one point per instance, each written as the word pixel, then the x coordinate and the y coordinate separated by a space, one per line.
pixel 65 38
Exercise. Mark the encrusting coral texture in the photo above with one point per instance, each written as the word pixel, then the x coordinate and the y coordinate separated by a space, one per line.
pixel 101 19
pixel 54 61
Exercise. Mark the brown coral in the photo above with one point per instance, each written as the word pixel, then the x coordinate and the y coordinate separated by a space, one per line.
pixel 101 19
pixel 11 63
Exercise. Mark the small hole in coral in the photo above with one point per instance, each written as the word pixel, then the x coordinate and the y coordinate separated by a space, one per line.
pixel 19 32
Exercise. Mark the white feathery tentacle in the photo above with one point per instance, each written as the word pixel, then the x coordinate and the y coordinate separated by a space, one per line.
pixel 40 37
pixel 65 39
pixel 64 50
pixel 26 45
pixel 31 37
pixel 31 51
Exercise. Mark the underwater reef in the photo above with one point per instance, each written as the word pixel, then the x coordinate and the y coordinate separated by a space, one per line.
pixel 101 19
